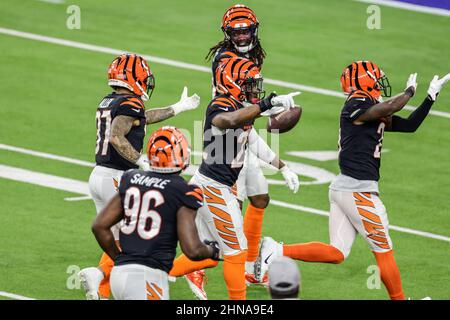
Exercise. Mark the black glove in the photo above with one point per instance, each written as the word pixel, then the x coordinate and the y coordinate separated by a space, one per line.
pixel 266 103
pixel 216 250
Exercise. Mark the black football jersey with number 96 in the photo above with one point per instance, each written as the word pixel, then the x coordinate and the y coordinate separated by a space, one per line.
pixel 111 106
pixel 148 231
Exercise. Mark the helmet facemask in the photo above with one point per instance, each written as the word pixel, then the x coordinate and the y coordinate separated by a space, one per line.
pixel 243 38
pixel 252 89
pixel 384 86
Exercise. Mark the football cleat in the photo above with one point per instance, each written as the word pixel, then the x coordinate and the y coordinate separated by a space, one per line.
pixel 196 281
pixel 270 249
pixel 251 280
pixel 90 279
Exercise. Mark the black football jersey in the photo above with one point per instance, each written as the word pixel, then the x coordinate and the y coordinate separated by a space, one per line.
pixel 148 232
pixel 111 106
pixel 360 145
pixel 223 150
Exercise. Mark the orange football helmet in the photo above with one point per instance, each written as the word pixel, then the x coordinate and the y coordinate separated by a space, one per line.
pixel 132 72
pixel 240 78
pixel 365 76
pixel 240 25
pixel 168 150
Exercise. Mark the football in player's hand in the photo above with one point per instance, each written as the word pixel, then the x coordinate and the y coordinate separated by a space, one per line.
pixel 284 121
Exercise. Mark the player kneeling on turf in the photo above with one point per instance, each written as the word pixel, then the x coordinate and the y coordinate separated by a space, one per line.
pixel 155 208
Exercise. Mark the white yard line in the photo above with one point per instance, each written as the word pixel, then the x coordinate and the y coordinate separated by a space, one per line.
pixel 14 296
pixel 181 65
pixel 409 7
pixel 78 198
pixel 81 187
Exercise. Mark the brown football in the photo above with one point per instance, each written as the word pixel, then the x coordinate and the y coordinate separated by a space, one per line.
pixel 284 121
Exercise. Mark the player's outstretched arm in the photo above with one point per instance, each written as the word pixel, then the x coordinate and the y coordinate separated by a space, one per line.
pixel 415 119
pixel 190 243
pixel 101 227
pixel 184 104
pixel 391 106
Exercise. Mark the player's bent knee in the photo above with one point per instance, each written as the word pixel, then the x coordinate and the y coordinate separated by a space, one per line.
pixel 260 201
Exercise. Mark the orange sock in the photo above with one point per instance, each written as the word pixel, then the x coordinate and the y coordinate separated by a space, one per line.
pixel 390 275
pixel 253 221
pixel 106 264
pixel 182 265
pixel 313 252
pixel 234 274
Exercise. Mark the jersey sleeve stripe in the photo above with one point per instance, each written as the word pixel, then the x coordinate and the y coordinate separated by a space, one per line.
pixel 131 104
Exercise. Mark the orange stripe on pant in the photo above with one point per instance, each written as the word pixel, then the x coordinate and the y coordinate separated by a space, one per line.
pixel 360 200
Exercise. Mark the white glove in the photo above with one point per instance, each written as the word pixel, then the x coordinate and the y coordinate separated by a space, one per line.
pixel 272 112
pixel 186 103
pixel 286 101
pixel 291 178
pixel 143 163
pixel 412 81
pixel 436 85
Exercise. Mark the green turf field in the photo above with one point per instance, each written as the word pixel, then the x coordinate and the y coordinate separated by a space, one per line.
pixel 49 94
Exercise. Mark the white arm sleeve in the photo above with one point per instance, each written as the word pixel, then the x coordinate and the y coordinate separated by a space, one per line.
pixel 259 147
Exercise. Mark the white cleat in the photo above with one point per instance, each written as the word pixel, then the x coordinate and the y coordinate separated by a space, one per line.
pixel 90 278
pixel 270 249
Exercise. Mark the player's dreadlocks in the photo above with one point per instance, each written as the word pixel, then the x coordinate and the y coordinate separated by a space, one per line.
pixel 257 54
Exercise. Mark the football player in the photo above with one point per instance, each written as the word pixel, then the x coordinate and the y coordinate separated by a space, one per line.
pixel 240 28
pixel 121 121
pixel 228 132
pixel 355 205
pixel 156 208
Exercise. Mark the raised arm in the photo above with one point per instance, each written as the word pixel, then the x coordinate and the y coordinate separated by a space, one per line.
pixel 415 119
pixel 391 106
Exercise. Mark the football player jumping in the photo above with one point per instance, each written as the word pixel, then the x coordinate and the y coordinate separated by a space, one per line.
pixel 155 208
pixel 355 205
pixel 240 28
pixel 121 122
pixel 228 132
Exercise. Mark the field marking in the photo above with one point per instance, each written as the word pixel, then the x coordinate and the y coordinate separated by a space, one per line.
pixel 44 180
pixel 78 198
pixel 82 187
pixel 183 65
pixel 409 7
pixel 14 296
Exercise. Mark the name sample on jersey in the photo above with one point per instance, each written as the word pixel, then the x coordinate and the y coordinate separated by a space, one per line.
pixel 147 181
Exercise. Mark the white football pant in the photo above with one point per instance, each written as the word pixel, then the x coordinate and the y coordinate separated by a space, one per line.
pixel 251 180
pixel 358 212
pixel 139 282
pixel 220 218
pixel 103 186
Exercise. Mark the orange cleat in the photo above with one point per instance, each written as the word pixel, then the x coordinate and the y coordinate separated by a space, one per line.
pixel 197 281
